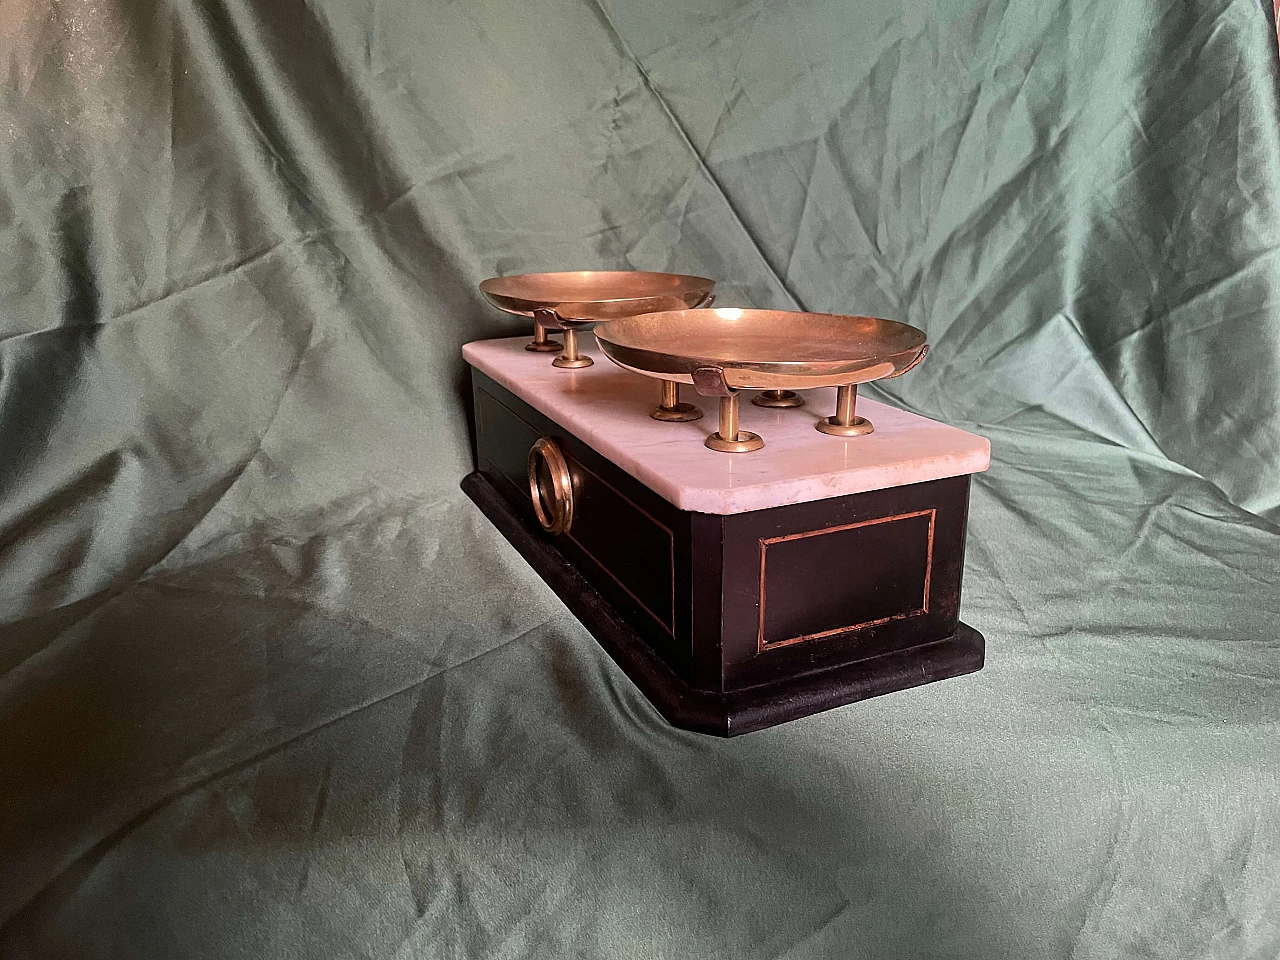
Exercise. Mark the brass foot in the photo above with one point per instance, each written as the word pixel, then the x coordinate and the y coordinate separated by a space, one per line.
pixel 571 359
pixel 670 409
pixel 778 398
pixel 745 443
pixel 845 423
pixel 743 440
pixel 860 427
pixel 680 413
pixel 540 342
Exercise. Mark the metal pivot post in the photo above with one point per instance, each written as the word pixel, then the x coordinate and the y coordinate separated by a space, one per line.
pixel 778 398
pixel 670 409
pixel 845 423
pixel 710 382
pixel 541 343
pixel 570 359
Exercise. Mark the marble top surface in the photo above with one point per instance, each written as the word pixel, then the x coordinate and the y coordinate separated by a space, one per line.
pixel 608 408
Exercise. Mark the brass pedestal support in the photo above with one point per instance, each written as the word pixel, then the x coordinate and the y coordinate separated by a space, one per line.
pixel 541 343
pixel 743 440
pixel 778 398
pixel 571 358
pixel 845 423
pixel 545 317
pixel 670 409
pixel 709 382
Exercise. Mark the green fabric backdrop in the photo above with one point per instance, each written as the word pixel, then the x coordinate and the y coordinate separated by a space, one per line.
pixel 271 687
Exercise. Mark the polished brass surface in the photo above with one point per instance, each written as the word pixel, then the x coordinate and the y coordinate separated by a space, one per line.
pixel 746 442
pixel 858 428
pixel 550 486
pixel 680 413
pixel 571 358
pixel 728 418
pixel 541 343
pixel 846 402
pixel 670 393
pixel 670 409
pixel 778 398
pixel 588 296
pixel 924 352
pixel 577 300
pixel 728 438
pixel 763 349
pixel 710 382
pixel 846 423
pixel 727 349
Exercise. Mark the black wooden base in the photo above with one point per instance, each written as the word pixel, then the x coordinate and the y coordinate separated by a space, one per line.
pixel 739 711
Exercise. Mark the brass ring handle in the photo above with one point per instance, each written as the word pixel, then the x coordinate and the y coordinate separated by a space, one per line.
pixel 550 486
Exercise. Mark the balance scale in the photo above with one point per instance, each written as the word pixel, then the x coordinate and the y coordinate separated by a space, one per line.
pixel 781 565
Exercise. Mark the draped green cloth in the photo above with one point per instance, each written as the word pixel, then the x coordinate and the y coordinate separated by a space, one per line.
pixel 270 686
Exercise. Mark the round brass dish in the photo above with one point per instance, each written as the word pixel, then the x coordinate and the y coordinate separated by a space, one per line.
pixel 763 349
pixel 579 299
pixel 724 350
pixel 550 486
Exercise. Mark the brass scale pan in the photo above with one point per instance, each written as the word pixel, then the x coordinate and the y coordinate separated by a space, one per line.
pixel 718 351
pixel 579 299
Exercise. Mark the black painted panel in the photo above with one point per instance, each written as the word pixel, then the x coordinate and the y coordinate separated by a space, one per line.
pixel 822 582
pixel 624 540
pixel 722 714
pixel 630 544
pixel 811 599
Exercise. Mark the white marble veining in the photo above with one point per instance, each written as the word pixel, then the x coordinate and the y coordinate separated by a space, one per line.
pixel 608 408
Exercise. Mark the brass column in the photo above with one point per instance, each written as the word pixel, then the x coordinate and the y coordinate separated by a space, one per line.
pixel 845 423
pixel 778 398
pixel 571 358
pixel 729 417
pixel 729 439
pixel 670 409
pixel 541 343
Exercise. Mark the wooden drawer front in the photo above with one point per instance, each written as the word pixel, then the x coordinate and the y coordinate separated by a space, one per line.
pixel 625 543
pixel 620 547
pixel 503 440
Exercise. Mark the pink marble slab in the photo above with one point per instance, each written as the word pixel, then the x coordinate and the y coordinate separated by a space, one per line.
pixel 608 408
